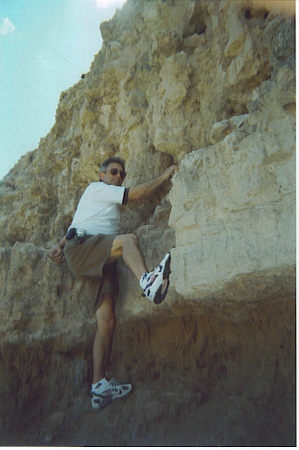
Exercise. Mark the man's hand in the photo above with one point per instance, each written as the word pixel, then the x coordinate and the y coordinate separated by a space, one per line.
pixel 167 174
pixel 56 254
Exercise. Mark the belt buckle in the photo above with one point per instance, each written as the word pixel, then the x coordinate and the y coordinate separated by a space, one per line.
pixel 80 234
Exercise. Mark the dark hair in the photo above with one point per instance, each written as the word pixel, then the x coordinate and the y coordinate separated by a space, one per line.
pixel 113 159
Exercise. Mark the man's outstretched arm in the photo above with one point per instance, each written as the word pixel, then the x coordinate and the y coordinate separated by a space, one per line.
pixel 146 189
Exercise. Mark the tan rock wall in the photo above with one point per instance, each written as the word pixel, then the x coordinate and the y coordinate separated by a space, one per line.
pixel 233 203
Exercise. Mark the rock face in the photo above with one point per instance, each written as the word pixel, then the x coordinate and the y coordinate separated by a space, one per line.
pixel 210 86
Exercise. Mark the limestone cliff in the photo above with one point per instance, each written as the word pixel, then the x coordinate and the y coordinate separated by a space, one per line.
pixel 209 85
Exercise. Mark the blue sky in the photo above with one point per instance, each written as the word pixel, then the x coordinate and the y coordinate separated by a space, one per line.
pixel 45 46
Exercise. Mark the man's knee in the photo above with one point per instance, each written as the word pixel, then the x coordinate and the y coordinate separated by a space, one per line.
pixel 131 239
pixel 121 241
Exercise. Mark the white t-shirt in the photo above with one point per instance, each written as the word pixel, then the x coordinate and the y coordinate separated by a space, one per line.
pixel 98 208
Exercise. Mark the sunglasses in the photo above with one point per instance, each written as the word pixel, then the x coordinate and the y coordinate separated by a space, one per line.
pixel 115 171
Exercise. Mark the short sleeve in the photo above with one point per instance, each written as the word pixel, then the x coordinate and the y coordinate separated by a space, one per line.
pixel 126 196
pixel 108 193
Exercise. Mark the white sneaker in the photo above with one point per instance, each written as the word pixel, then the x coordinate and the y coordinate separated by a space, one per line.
pixel 107 390
pixel 155 284
pixel 119 390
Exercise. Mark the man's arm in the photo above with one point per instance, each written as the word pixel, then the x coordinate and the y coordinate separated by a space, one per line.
pixel 57 253
pixel 146 189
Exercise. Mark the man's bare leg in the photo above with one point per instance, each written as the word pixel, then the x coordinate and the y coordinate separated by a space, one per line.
pixel 126 245
pixel 102 390
pixel 103 338
pixel 154 284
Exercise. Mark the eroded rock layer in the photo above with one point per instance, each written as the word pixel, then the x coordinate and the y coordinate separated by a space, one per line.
pixel 209 86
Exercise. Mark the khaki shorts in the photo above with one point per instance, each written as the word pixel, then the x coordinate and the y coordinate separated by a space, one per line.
pixel 87 260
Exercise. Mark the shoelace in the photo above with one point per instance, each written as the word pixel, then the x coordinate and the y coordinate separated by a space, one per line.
pixel 151 280
pixel 116 387
pixel 114 383
pixel 112 389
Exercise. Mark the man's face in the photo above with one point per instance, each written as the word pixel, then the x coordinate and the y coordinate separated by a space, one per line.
pixel 114 174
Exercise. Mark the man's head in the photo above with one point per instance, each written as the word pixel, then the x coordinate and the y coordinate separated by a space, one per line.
pixel 112 171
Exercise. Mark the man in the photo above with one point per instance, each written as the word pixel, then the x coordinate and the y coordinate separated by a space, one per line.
pixel 92 246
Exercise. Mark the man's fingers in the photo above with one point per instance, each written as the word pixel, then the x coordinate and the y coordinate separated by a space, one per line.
pixel 173 169
pixel 57 260
pixel 56 255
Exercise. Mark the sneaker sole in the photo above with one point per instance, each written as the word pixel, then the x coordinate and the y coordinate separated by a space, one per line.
pixel 159 297
pixel 166 271
pixel 100 404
